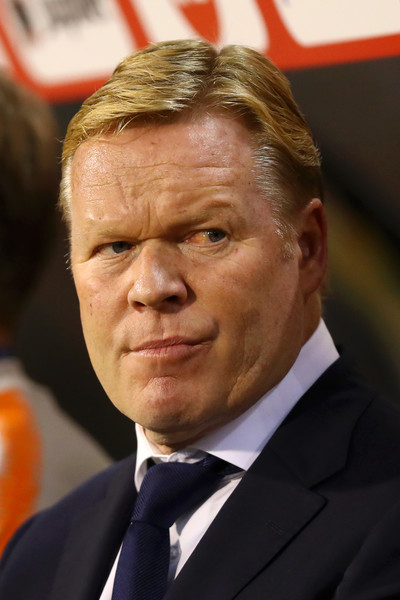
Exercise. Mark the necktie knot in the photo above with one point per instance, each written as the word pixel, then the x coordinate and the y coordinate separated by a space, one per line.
pixel 171 489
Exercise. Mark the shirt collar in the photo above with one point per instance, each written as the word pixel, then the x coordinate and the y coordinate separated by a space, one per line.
pixel 241 440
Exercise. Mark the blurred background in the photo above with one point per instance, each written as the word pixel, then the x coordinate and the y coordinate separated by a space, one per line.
pixel 343 61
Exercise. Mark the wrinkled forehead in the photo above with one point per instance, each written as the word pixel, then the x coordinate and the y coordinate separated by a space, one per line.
pixel 191 142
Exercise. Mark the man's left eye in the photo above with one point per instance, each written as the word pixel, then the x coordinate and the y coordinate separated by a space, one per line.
pixel 207 236
pixel 215 235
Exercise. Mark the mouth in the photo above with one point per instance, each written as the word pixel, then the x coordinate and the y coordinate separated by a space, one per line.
pixel 173 348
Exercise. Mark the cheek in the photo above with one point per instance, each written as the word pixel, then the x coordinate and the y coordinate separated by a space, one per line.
pixel 244 284
pixel 237 297
pixel 97 302
pixel 265 294
pixel 93 291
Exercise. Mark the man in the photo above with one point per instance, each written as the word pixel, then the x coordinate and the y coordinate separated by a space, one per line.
pixel 43 454
pixel 192 189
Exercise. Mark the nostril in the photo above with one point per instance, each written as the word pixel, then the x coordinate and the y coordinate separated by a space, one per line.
pixel 138 303
pixel 172 299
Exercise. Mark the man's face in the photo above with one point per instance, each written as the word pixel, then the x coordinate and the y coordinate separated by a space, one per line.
pixel 190 308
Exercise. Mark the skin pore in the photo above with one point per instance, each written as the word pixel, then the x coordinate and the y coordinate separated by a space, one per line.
pixel 191 310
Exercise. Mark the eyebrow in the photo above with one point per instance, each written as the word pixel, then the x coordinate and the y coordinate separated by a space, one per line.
pixel 209 206
pixel 198 217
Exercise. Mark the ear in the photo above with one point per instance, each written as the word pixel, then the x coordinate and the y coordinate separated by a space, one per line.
pixel 312 246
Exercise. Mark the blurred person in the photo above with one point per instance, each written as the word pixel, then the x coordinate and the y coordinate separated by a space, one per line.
pixel 266 466
pixel 43 454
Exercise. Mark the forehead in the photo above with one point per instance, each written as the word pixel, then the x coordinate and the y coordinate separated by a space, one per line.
pixel 209 142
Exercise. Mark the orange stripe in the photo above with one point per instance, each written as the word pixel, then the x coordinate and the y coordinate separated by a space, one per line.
pixel 20 465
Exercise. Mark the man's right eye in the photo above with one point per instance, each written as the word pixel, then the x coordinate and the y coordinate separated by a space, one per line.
pixel 119 247
pixel 114 248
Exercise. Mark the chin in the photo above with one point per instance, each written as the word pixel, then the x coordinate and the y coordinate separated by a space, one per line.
pixel 170 420
pixel 155 411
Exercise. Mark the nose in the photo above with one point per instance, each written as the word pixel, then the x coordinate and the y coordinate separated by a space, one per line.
pixel 156 280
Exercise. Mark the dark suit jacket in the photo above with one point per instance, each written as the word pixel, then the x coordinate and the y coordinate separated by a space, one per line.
pixel 305 523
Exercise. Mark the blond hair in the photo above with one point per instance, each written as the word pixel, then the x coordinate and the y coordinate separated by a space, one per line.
pixel 165 81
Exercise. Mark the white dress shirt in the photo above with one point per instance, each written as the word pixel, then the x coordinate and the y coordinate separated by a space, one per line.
pixel 238 442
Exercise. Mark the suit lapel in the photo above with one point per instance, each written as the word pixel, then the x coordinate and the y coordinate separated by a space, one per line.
pixel 274 501
pixel 258 520
pixel 94 540
pixel 314 439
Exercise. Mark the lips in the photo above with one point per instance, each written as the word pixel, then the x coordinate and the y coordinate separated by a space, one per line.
pixel 170 348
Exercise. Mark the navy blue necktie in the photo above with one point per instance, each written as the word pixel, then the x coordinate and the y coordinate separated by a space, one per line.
pixel 168 491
